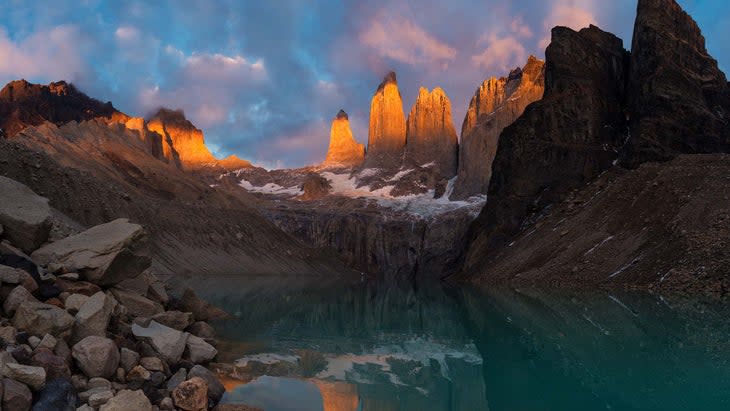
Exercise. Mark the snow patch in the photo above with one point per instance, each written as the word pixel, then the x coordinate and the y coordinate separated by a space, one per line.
pixel 270 188
pixel 400 175
pixel 423 205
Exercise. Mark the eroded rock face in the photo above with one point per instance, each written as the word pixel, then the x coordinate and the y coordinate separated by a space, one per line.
pixel 158 143
pixel 23 104
pixel 387 131
pixel 560 142
pixel 187 139
pixel 495 105
pixel 430 134
pixel 343 149
pixel 678 98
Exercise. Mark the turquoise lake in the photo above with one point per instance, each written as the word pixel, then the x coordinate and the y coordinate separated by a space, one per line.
pixel 316 345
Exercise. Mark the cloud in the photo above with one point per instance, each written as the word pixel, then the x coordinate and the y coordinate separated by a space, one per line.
pixel 44 56
pixel 504 46
pixel 567 13
pixel 206 86
pixel 127 33
pixel 402 40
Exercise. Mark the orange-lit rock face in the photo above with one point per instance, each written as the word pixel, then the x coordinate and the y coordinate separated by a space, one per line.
pixel 430 133
pixel 343 149
pixel 495 105
pixel 387 133
pixel 168 151
pixel 234 162
pixel 337 395
pixel 183 137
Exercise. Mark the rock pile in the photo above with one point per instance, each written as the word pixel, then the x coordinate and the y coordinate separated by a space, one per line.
pixel 86 326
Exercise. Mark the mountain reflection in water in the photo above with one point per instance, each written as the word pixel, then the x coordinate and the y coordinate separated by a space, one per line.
pixel 362 346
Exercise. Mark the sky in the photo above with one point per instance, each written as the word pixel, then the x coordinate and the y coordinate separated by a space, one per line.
pixel 263 79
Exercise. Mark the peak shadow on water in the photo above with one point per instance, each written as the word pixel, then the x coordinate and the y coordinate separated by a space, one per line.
pixel 363 346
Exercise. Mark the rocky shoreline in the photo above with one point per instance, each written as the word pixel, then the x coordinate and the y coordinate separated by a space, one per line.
pixel 86 326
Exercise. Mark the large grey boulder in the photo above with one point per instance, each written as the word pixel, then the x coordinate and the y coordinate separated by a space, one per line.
pixel 168 342
pixel 40 319
pixel 34 377
pixel 93 316
pixel 24 215
pixel 127 400
pixel 96 356
pixel 137 305
pixel 105 254
pixel 9 275
pixel 16 395
pixel 199 351
pixel 215 387
pixel 16 297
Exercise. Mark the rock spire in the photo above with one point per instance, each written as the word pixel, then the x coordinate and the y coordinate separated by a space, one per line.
pixel 343 150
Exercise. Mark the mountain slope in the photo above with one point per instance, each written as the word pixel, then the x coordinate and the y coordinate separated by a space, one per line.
pixel 95 171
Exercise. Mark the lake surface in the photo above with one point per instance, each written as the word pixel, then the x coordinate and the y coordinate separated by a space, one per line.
pixel 363 346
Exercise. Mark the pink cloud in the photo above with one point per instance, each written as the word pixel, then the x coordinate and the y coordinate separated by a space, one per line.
pixel 400 39
pixel 45 55
pixel 501 54
pixel 567 13
pixel 206 86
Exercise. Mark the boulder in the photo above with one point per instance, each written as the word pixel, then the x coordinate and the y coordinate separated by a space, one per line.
pixel 7 334
pixel 101 397
pixel 78 287
pixel 215 387
pixel 48 341
pixel 168 342
pixel 137 305
pixel 93 317
pixel 128 359
pixel 202 330
pixel 127 400
pixel 199 351
pixel 54 365
pixel 98 382
pixel 180 376
pixel 16 396
pixel 40 319
pixel 104 255
pixel 139 284
pixel 152 364
pixel 25 216
pixel 9 275
pixel 174 319
pixel 16 297
pixel 58 395
pixel 96 356
pixel 138 373
pixel 202 310
pixel 74 302
pixel 191 395
pixel 34 377
pixel 157 292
